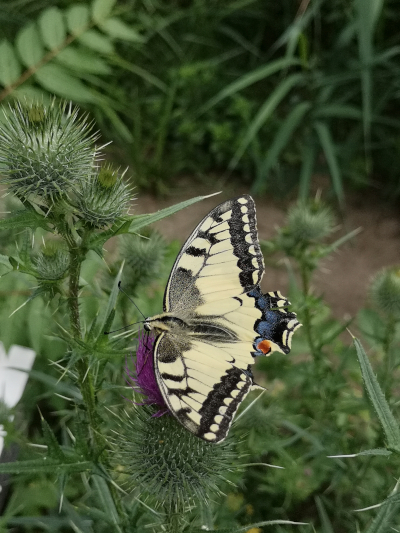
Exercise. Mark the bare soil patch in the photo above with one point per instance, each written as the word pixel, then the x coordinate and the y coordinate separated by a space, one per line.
pixel 343 278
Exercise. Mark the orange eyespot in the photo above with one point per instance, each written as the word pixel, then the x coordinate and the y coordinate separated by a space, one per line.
pixel 264 346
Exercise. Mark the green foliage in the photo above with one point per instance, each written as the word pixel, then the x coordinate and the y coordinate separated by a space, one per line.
pixel 98 466
pixel 273 92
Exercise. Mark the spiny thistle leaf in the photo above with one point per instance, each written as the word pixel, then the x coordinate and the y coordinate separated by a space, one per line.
pixel 45 151
pixel 386 418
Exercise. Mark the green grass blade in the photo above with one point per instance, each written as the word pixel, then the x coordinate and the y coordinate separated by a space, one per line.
pixel 248 79
pixel 265 112
pixel 323 515
pixel 307 168
pixel 368 12
pixel 106 500
pixel 386 418
pixel 282 138
pixel 328 147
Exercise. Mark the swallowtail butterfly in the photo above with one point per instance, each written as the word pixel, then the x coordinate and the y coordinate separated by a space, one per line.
pixel 216 321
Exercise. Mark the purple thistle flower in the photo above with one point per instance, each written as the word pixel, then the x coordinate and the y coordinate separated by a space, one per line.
pixel 145 380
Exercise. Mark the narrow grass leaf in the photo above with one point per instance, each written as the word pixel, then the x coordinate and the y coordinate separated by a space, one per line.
pixel 110 309
pixel 10 67
pixel 328 147
pixel 386 418
pixel 339 111
pixel 282 138
pixel 265 112
pixel 107 502
pixel 323 515
pixel 248 79
pixel 307 168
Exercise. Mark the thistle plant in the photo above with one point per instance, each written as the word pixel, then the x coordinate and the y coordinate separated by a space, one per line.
pixel 74 205
pixel 384 293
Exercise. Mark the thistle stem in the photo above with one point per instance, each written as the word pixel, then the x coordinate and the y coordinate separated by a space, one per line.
pixel 316 354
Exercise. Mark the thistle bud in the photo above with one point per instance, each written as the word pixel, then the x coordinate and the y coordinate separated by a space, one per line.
pixel 52 263
pixel 102 198
pixel 173 467
pixel 167 463
pixel 143 260
pixel 385 290
pixel 45 151
pixel 311 221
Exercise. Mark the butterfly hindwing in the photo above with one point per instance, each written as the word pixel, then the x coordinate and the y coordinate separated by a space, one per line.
pixel 200 383
pixel 274 331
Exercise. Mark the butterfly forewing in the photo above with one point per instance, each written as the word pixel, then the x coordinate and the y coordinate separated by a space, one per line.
pixel 221 259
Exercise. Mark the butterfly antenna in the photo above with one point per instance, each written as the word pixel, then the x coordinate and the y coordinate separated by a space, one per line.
pixel 125 327
pixel 130 299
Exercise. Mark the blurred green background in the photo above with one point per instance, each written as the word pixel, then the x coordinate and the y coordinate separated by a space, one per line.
pixel 274 98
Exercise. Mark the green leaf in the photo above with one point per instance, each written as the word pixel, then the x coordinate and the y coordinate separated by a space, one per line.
pixel 97 42
pixel 112 300
pixel 248 79
pixel 29 45
pixel 323 515
pixel 281 139
pixel 44 466
pixel 386 418
pixel 57 80
pixel 328 147
pixel 82 60
pixel 307 168
pixel 25 219
pixel 78 17
pixel 265 112
pixel 101 9
pixel 117 29
pixel 338 111
pixel 10 68
pixel 52 27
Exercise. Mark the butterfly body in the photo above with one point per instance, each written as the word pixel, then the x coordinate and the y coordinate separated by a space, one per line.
pixel 216 320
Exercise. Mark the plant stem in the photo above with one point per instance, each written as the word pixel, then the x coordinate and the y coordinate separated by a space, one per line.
pixel 316 354
pixel 387 355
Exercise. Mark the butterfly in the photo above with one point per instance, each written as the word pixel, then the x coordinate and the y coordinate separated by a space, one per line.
pixel 216 321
